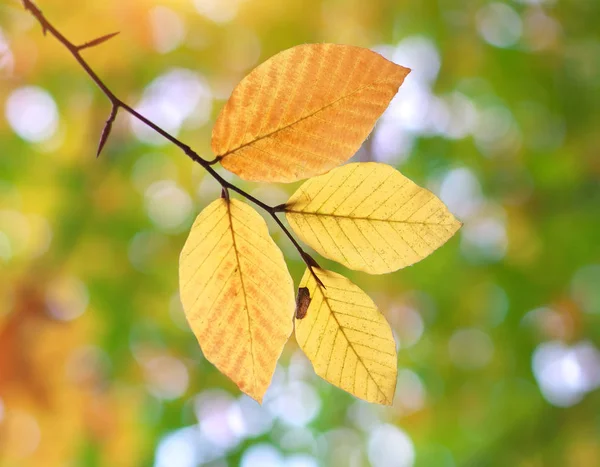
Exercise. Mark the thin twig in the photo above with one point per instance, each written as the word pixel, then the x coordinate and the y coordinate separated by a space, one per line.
pixel 117 103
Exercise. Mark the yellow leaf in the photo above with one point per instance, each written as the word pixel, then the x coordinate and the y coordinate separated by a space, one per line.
pixel 237 293
pixel 304 111
pixel 348 340
pixel 369 217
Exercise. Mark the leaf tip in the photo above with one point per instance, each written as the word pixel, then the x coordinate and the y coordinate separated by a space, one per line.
pixel 405 72
pixel 257 398
pixel 252 392
pixel 458 224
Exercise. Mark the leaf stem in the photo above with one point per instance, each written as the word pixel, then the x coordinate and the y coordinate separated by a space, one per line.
pixel 117 103
pixel 214 161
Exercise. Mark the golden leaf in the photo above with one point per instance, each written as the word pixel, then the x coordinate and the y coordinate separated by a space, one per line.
pixel 348 340
pixel 237 293
pixel 369 217
pixel 304 111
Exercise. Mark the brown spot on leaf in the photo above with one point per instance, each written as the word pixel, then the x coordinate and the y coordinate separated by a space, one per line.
pixel 302 302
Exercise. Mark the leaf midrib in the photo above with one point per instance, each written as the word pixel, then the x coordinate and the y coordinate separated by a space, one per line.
pixel 350 344
pixel 322 214
pixel 239 265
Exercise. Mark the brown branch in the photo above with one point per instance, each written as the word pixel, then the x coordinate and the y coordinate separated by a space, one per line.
pixel 117 103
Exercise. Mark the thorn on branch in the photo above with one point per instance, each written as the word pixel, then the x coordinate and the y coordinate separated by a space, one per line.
pixel 317 278
pixel 309 260
pixel 225 194
pixel 311 263
pixel 97 41
pixel 107 128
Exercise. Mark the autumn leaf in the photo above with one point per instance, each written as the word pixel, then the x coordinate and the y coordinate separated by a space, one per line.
pixel 237 293
pixel 348 340
pixel 304 111
pixel 369 217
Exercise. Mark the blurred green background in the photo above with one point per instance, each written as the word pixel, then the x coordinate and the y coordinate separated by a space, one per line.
pixel 498 331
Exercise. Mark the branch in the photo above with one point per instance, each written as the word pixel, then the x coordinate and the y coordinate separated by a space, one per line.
pixel 117 103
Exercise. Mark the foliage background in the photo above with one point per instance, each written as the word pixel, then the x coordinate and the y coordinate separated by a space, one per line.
pixel 498 330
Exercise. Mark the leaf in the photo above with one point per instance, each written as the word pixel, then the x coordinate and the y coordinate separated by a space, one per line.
pixel 237 293
pixel 369 217
pixel 348 340
pixel 304 111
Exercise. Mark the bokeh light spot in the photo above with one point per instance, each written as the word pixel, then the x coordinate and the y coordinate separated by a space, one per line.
pixel 565 374
pixel 167 377
pixel 178 449
pixel 262 455
pixel 248 419
pixel 410 392
pixel 549 323
pixel 213 410
pixel 21 433
pixel 499 24
pixel 389 446
pixel 297 404
pixel 7 60
pixel 419 54
pixel 301 460
pixel 168 205
pixel 219 11
pixel 461 192
pixel 171 99
pixel 485 238
pixel 67 298
pixel 407 324
pixel 168 30
pixel 541 31
pixel 32 114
